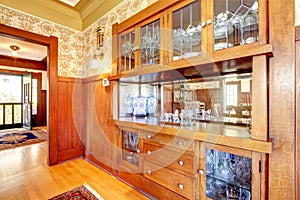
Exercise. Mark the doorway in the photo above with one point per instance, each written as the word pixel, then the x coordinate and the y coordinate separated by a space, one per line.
pixel 51 43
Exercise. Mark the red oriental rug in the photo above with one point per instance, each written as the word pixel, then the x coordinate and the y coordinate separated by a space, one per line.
pixel 84 192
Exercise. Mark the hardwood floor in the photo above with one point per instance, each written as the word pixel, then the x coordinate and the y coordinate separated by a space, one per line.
pixel 24 174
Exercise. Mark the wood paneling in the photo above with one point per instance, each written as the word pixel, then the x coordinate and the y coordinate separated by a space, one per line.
pixel 100 132
pixel 260 102
pixel 297 113
pixel 52 65
pixel 69 117
pixel 282 99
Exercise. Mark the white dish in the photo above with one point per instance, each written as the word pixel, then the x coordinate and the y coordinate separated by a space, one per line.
pixel 190 54
pixel 222 45
pixel 250 40
pixel 221 29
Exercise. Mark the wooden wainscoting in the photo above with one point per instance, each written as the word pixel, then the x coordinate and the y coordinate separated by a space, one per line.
pixel 100 132
pixel 69 117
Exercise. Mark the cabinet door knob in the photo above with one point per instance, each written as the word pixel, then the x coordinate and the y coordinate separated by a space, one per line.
pixel 180 162
pixel 181 186
pixel 208 21
pixel 149 152
pixel 149 137
pixel 138 151
pixel 203 24
pixel 201 171
pixel 149 172
pixel 181 143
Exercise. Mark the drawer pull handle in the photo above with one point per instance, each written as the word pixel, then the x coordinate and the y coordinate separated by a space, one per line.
pixel 180 162
pixel 181 186
pixel 149 137
pixel 149 152
pixel 201 171
pixel 181 143
pixel 149 172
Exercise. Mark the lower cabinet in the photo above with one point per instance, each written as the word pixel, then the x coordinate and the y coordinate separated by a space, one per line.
pixel 170 162
pixel 172 167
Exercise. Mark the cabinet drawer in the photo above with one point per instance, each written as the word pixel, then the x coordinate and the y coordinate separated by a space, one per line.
pixel 172 180
pixel 173 159
pixel 170 140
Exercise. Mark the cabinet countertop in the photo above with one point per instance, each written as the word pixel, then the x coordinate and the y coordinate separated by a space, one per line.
pixel 216 133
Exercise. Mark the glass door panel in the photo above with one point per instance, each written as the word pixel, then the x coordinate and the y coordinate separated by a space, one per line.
pixel 1 115
pixel 235 23
pixel 186 31
pixel 150 43
pixel 127 51
pixel 228 176
pixel 130 147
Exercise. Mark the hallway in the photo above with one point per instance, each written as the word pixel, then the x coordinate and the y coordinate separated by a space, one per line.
pixel 24 174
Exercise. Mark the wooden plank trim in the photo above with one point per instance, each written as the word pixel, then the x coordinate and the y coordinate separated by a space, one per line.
pixel 297 34
pixel 93 160
pixel 146 13
pixel 69 79
pixel 70 154
pixel 22 63
pixel 52 101
pixel 231 53
pixel 19 34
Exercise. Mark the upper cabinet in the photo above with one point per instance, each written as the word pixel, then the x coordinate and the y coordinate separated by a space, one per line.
pixel 203 29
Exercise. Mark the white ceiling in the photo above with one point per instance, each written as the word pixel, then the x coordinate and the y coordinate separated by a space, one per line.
pixel 27 50
pixel 70 2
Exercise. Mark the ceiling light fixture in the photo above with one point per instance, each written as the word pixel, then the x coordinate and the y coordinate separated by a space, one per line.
pixel 14 48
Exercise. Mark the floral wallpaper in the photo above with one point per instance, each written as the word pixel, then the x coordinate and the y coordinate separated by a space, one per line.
pixel 119 14
pixel 297 17
pixel 76 49
pixel 70 49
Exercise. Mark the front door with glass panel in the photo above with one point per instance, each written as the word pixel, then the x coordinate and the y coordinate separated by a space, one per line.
pixel 27 111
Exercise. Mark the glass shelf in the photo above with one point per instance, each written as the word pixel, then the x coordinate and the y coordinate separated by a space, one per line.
pixel 127 58
pixel 150 43
pixel 228 175
pixel 235 23
pixel 186 31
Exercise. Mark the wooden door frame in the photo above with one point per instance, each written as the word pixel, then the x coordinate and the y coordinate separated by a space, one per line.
pixel 52 66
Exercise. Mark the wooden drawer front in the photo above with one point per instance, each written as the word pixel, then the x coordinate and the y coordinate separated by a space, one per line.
pixel 172 141
pixel 172 180
pixel 173 159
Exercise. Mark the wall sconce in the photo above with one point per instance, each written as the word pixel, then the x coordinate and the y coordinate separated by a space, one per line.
pixel 100 36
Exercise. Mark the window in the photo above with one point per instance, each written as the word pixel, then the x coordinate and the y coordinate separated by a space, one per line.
pixel 34 96
pixel 232 95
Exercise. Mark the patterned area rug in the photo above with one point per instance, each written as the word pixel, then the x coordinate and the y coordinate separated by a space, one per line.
pixel 17 137
pixel 84 192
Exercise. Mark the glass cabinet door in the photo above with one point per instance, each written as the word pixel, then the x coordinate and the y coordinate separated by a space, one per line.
pixel 186 31
pixel 127 51
pixel 150 43
pixel 235 23
pixel 228 173
pixel 130 148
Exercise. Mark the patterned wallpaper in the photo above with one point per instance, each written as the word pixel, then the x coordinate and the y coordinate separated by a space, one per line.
pixel 297 17
pixel 119 14
pixel 76 49
pixel 70 49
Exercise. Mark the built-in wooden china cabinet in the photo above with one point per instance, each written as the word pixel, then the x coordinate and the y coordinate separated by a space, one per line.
pixel 164 60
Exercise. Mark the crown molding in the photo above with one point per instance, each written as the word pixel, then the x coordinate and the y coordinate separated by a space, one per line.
pixel 48 10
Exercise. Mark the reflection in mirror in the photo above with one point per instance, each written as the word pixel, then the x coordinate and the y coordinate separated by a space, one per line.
pixel 223 99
